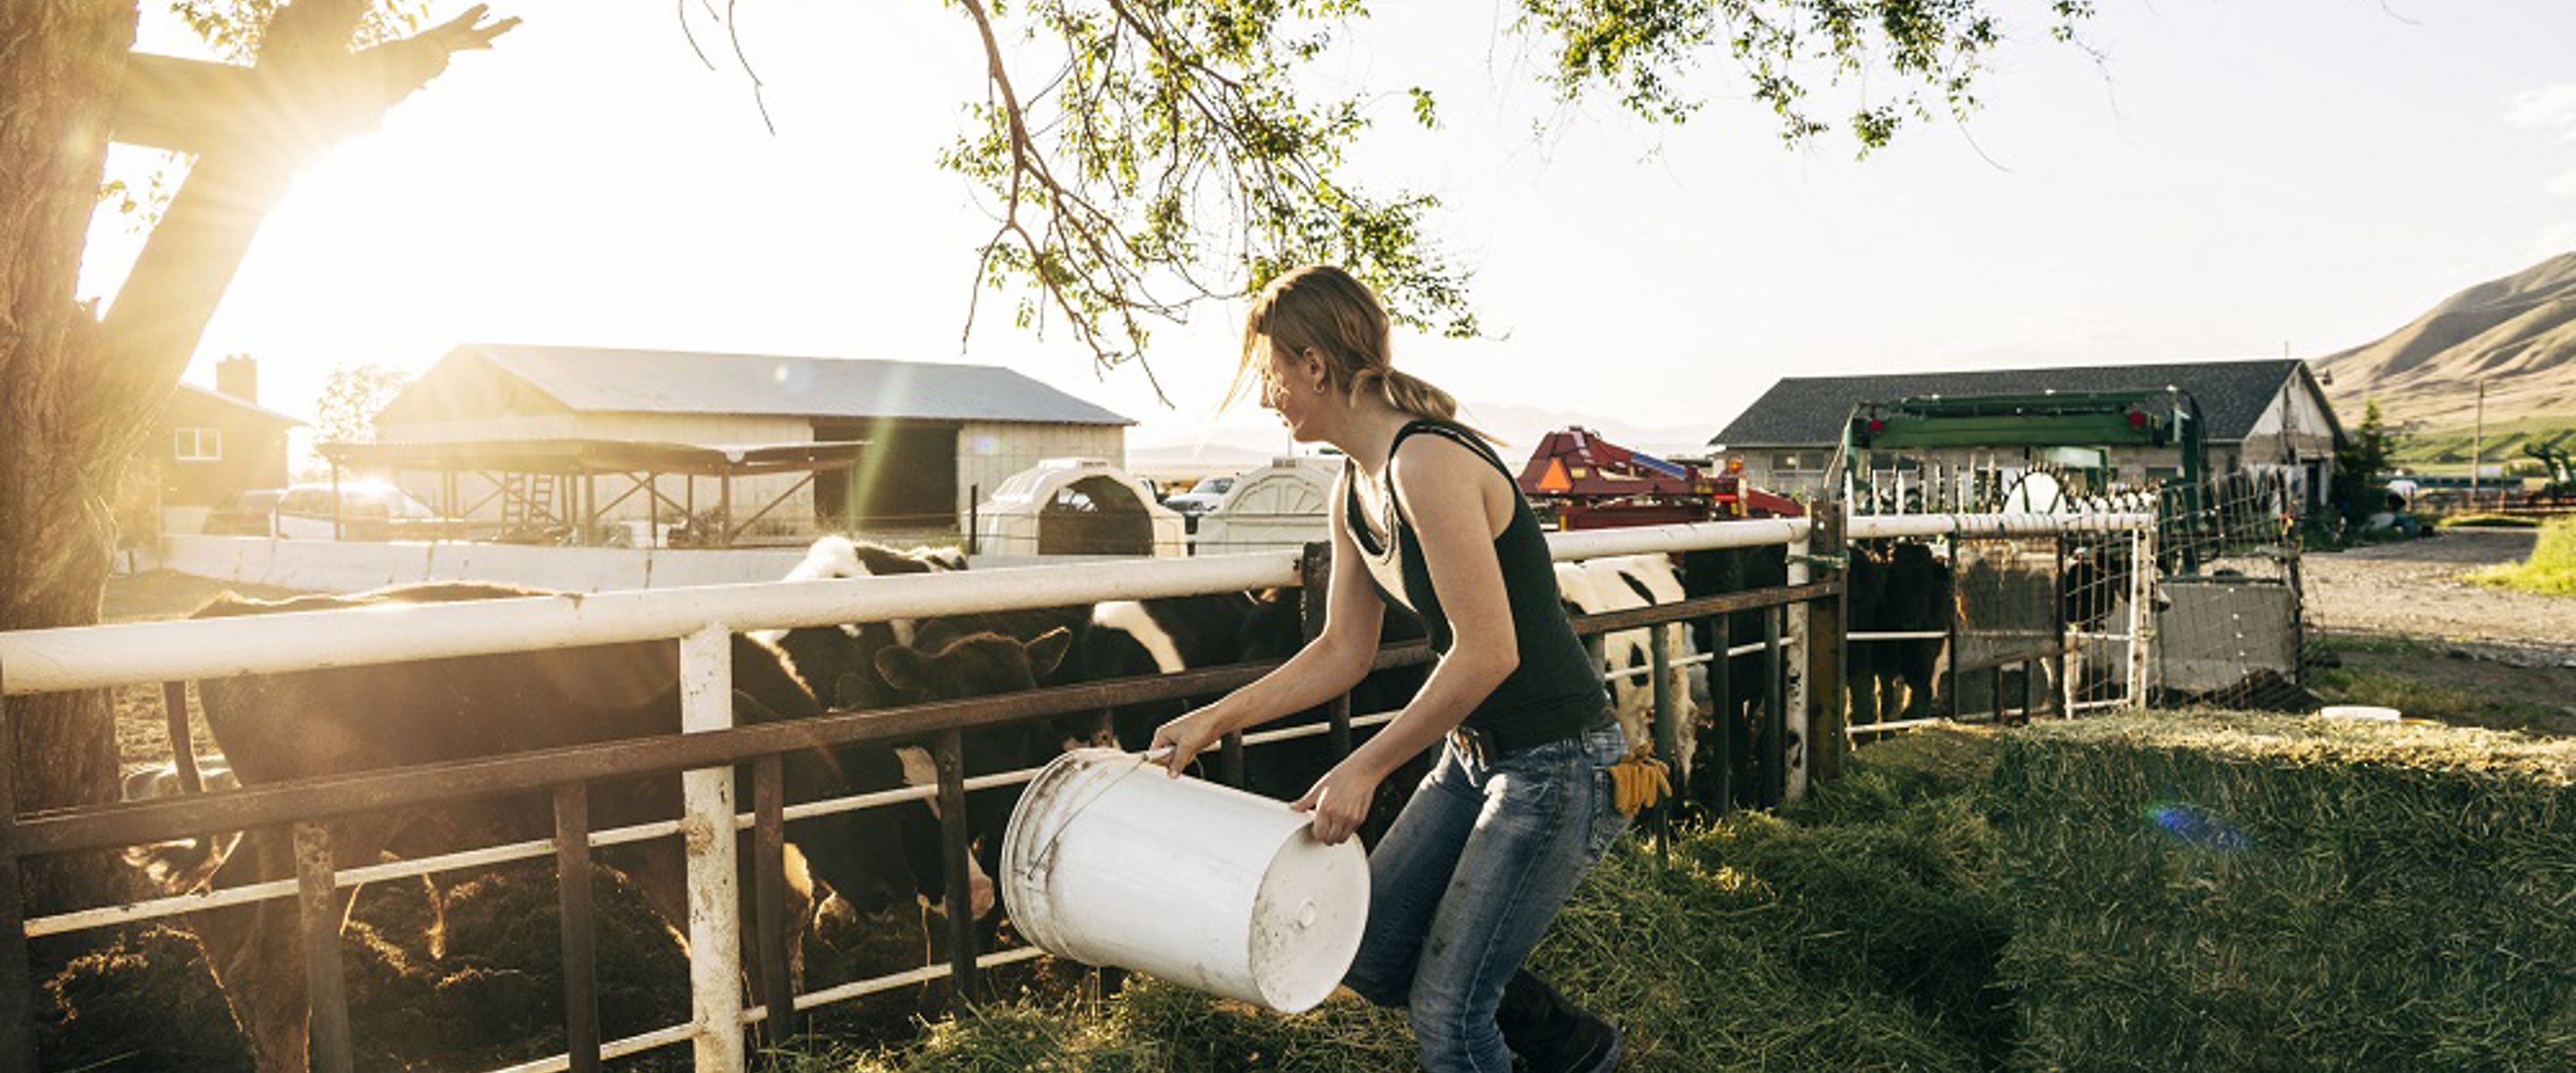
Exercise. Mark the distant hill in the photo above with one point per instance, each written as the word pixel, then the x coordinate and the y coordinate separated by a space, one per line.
pixel 2517 333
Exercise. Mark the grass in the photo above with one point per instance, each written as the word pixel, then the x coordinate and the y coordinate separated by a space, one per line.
pixel 1857 933
pixel 2228 891
pixel 2551 569
pixel 2338 896
pixel 2437 450
pixel 2488 521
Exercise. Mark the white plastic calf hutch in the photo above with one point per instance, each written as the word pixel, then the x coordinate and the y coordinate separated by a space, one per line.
pixel 1277 507
pixel 1077 506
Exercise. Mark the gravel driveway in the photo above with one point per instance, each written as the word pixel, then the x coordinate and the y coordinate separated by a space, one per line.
pixel 2417 589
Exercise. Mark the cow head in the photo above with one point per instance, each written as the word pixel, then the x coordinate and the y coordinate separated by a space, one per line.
pixel 972 666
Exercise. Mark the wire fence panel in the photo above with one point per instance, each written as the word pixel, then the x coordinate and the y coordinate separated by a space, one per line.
pixel 2011 626
pixel 2231 618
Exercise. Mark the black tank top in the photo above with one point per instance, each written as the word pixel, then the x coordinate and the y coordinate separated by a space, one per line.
pixel 1556 690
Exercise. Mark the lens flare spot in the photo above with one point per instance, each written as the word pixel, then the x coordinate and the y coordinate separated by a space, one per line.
pixel 2196 826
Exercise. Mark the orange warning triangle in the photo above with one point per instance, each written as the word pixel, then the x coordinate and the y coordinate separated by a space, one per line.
pixel 1555 480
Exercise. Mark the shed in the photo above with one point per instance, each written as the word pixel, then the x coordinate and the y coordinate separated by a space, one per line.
pixel 1280 506
pixel 2258 416
pixel 1077 506
pixel 933 434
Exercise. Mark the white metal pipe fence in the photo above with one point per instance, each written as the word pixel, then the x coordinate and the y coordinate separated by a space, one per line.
pixel 701 620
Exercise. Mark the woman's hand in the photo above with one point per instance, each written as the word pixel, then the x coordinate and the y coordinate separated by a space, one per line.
pixel 1340 801
pixel 1185 738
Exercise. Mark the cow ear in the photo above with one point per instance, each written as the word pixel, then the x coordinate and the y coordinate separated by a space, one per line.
pixel 904 668
pixel 850 691
pixel 1048 651
pixel 746 705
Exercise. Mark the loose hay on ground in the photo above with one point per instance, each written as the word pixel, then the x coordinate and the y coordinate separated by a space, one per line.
pixel 2209 891
pixel 1855 937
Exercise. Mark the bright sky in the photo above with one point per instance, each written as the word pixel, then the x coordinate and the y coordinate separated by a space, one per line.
pixel 2240 176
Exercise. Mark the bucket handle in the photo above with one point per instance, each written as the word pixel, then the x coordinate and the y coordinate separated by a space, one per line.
pixel 1042 862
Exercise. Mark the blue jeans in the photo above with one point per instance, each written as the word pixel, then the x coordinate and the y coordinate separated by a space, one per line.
pixel 1468 879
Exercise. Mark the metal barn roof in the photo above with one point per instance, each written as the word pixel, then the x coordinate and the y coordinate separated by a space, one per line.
pixel 1806 410
pixel 671 381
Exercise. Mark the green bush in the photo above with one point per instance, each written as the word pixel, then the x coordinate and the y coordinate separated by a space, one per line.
pixel 2278 893
pixel 2551 570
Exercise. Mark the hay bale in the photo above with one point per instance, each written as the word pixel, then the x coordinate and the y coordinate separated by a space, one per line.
pixel 2207 891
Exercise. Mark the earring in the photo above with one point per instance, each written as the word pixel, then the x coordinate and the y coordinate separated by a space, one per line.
pixel 1319 389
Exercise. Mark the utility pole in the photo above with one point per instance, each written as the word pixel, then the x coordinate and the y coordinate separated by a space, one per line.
pixel 2478 453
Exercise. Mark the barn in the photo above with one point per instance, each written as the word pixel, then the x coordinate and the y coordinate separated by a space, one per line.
pixel 207 445
pixel 2259 416
pixel 928 438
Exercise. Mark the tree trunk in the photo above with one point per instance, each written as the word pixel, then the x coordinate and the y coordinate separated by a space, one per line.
pixel 60 61
pixel 76 395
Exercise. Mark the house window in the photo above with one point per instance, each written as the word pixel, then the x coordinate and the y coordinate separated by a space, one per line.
pixel 1785 463
pixel 199 445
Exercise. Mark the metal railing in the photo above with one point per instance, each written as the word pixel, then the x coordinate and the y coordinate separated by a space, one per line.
pixel 700 621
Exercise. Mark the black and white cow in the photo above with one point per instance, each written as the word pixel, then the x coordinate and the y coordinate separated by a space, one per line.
pixel 1621 583
pixel 1900 588
pixel 1737 715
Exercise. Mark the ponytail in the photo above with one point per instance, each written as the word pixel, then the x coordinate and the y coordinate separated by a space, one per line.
pixel 1405 391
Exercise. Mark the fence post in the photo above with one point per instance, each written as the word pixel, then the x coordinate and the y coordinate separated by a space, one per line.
pixel 1721 691
pixel 706 831
pixel 1958 702
pixel 1314 591
pixel 1659 649
pixel 325 992
pixel 950 758
pixel 1793 653
pixel 2063 697
pixel 769 893
pixel 1775 707
pixel 2142 589
pixel 17 977
pixel 580 942
pixel 1827 637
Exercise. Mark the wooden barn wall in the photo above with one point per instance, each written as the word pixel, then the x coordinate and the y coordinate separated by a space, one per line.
pixel 989 452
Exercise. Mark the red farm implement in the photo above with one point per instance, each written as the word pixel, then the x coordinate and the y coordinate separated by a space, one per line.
pixel 1582 481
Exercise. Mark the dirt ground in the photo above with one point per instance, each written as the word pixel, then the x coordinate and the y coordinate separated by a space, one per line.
pixel 2403 627
pixel 2419 589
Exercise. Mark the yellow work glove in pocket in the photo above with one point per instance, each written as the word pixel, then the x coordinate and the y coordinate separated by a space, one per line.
pixel 1639 781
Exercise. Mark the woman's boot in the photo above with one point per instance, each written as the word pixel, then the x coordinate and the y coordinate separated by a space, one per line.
pixel 1550 1033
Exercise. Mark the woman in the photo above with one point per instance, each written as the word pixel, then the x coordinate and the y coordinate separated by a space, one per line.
pixel 1519 805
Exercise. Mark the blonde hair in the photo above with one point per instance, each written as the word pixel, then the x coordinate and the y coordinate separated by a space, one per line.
pixel 1325 309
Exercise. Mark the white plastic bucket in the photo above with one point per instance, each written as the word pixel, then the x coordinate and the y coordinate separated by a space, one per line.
pixel 1110 861
pixel 2360 711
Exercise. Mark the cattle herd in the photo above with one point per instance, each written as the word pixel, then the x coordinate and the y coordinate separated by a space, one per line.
pixel 279 727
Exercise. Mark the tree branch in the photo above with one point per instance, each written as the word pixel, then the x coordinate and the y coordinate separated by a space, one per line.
pixel 313 93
